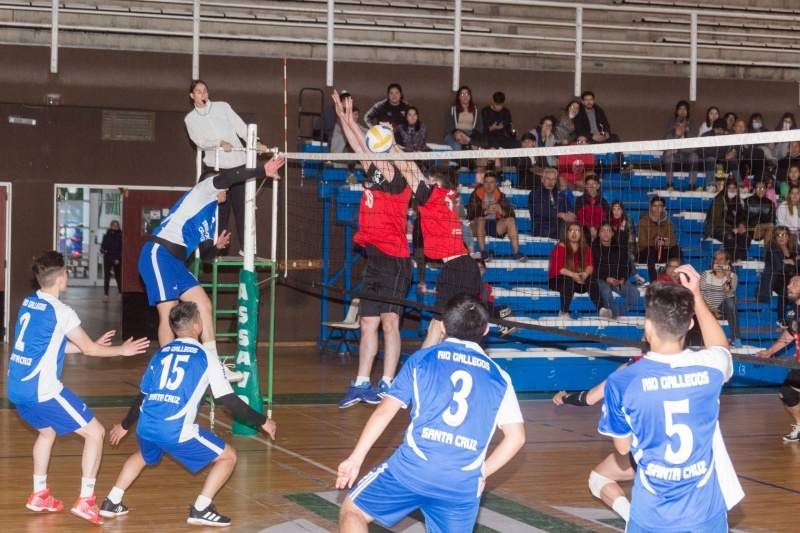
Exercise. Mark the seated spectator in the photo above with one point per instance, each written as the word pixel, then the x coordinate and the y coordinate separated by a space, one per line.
pixel 685 157
pixel 760 213
pixel 575 168
pixel 591 208
pixel 497 126
pixel 466 231
pixel 726 221
pixel 750 156
pixel 565 126
pixel 592 122
pixel 681 112
pixel 526 166
pixel 670 275
pixel 657 242
pixel 625 235
pixel 789 211
pixel 780 264
pixel 392 109
pixel 769 182
pixel 476 141
pixel 712 114
pixel 713 156
pixel 730 118
pixel 792 180
pixel 490 213
pixel 413 133
pixel 549 209
pixel 544 138
pixel 571 265
pixel 611 273
pixel 786 123
pixel 462 115
pixel 785 163
pixel 755 124
pixel 718 288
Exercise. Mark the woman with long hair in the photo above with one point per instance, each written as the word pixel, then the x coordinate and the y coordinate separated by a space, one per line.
pixel 565 127
pixel 780 264
pixel 726 221
pixel 571 265
pixel 611 274
pixel 625 235
pixel 718 288
pixel 681 112
pixel 786 123
pixel 712 114
pixel 413 133
pixel 462 115
pixel 789 211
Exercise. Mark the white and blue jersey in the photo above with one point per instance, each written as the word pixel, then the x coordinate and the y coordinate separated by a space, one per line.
pixel 193 219
pixel 173 384
pixel 459 397
pixel 37 356
pixel 669 406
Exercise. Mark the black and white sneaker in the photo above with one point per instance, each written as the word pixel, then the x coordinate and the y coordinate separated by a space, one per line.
pixel 207 517
pixel 110 509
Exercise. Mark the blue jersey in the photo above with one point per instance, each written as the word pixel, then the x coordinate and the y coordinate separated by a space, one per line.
pixel 37 357
pixel 193 219
pixel 459 398
pixel 669 405
pixel 173 384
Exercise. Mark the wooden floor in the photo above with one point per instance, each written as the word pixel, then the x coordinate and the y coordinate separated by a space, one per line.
pixel 286 486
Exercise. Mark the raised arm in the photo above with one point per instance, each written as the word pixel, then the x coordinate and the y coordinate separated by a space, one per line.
pixel 713 335
pixel 355 137
pixel 87 346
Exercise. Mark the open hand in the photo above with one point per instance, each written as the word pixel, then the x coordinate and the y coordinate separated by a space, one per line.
pixel 116 434
pixel 134 347
pixel 105 338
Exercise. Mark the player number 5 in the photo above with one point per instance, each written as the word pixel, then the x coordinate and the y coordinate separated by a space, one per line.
pixel 683 431
pixel 459 396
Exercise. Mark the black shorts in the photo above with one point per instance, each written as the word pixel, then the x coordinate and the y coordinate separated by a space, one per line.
pixel 793 379
pixel 385 276
pixel 458 275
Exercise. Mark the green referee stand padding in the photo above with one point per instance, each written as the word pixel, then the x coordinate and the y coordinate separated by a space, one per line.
pixel 248 389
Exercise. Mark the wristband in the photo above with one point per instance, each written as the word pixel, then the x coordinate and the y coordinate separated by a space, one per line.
pixel 576 398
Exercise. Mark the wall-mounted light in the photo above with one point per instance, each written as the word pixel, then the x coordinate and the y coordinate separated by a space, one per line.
pixel 14 119
pixel 52 99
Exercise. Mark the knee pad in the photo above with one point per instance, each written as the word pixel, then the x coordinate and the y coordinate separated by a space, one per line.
pixel 597 482
pixel 789 396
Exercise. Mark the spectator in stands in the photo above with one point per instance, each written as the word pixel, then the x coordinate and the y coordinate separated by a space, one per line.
pixel 527 165
pixel 462 115
pixel 657 242
pixel 672 159
pixel 681 112
pixel 792 156
pixel 413 133
pixel 338 141
pixel 670 274
pixel 549 209
pixel 786 123
pixel 611 274
pixel 718 288
pixel 490 213
pixel 497 126
pixel 730 118
pixel 780 264
pixel 575 168
pixel 466 231
pixel 792 180
pixel 760 214
pixel 726 221
pixel 625 235
pixel 769 182
pixel 751 156
pixel 571 265
pixel 543 137
pixel 475 141
pixel 789 211
pixel 392 109
pixel 565 127
pixel 591 208
pixel 755 124
pixel 592 121
pixel 712 114
pixel 718 155
pixel 563 187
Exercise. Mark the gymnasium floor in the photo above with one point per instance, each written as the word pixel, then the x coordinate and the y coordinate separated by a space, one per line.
pixel 287 486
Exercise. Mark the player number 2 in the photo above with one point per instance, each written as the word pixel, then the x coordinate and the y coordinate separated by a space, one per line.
pixel 683 432
pixel 459 396
pixel 23 325
pixel 171 379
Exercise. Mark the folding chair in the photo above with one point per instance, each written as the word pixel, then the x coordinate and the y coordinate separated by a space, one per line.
pixel 350 324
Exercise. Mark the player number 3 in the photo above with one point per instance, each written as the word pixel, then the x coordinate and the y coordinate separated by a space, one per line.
pixel 459 396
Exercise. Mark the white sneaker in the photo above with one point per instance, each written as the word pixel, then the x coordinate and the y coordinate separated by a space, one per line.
pixel 794 436
pixel 606 313
pixel 563 315
pixel 232 374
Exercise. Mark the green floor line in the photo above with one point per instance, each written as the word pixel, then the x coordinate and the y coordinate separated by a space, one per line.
pixel 529 516
pixel 326 509
pixel 617 523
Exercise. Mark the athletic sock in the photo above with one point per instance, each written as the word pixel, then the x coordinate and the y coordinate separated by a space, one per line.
pixel 39 483
pixel 622 506
pixel 116 495
pixel 361 380
pixel 387 380
pixel 202 502
pixel 87 486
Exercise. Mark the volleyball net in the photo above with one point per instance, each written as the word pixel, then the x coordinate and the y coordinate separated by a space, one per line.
pixel 644 207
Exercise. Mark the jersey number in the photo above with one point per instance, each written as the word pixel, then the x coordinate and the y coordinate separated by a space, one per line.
pixel 23 325
pixel 369 200
pixel 459 396
pixel 171 379
pixel 683 432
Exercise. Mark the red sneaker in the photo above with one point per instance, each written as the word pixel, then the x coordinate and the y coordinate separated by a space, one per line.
pixel 43 501
pixel 87 509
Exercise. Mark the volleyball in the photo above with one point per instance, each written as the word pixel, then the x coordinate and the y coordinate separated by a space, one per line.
pixel 380 139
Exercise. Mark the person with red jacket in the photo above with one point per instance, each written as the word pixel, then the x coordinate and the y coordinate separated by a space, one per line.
pixel 571 265
pixel 591 208
pixel 575 168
